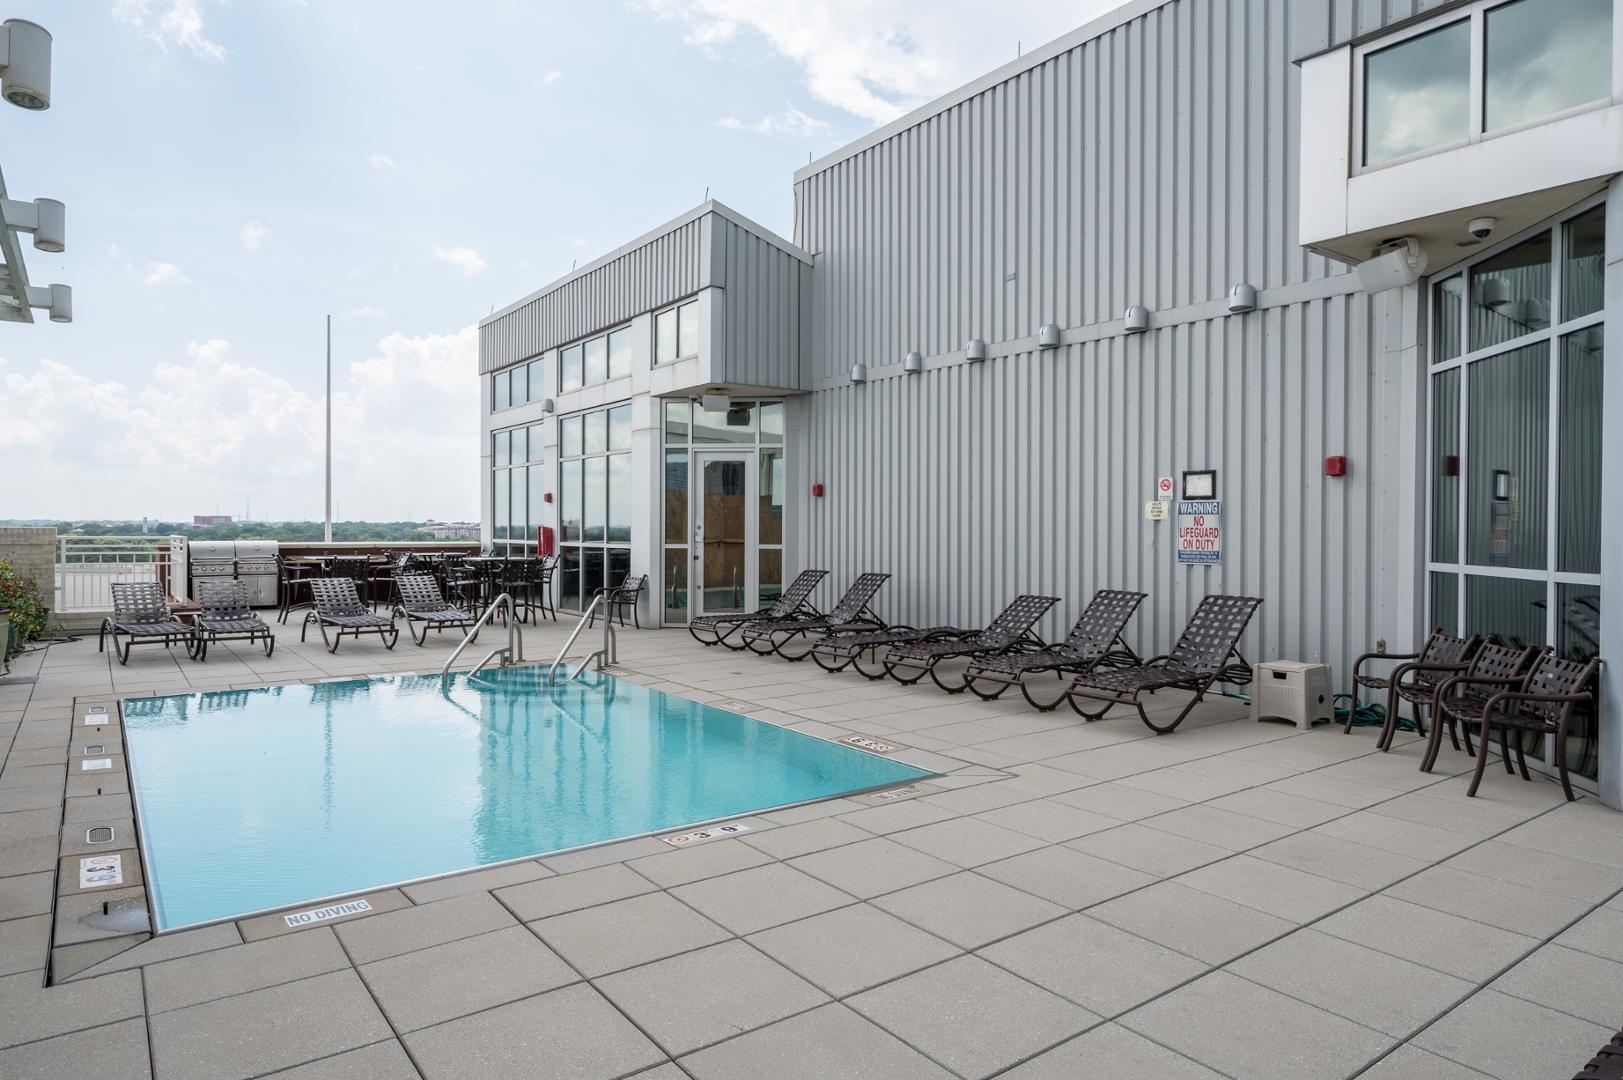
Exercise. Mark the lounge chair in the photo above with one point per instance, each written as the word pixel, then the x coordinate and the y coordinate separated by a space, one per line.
pixel 338 604
pixel 851 613
pixel 618 599
pixel 421 602
pixel 1415 682
pixel 1504 666
pixel 790 603
pixel 224 615
pixel 1207 652
pixel 909 662
pixel 141 616
pixel 838 650
pixel 1094 641
pixel 1543 703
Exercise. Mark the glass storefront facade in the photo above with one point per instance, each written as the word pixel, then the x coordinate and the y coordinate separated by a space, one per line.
pixel 594 502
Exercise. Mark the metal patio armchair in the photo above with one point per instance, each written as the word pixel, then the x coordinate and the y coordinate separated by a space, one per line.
pixel 1095 641
pixel 1493 664
pixel 356 568
pixel 292 585
pixel 1207 652
pixel 852 612
pixel 420 602
pixel 338 604
pixel 790 604
pixel 1542 705
pixel 141 616
pixel 617 599
pixel 225 615
pixel 1442 655
pixel 1009 632
pixel 535 591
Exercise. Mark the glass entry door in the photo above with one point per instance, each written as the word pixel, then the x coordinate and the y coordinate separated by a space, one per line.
pixel 723 547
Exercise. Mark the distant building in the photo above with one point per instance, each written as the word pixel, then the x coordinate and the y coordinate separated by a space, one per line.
pixel 202 520
pixel 451 530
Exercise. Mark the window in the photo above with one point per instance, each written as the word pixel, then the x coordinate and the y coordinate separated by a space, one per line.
pixel 1514 482
pixel 516 485
pixel 596 360
pixel 595 496
pixel 1499 66
pixel 676 333
pixel 516 386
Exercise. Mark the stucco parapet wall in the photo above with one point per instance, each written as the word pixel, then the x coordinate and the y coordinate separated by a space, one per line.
pixel 31 551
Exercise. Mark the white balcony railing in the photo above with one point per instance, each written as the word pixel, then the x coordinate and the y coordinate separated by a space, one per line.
pixel 88 566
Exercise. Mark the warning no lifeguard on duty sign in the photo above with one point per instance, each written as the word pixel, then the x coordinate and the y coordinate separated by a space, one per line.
pixel 1200 531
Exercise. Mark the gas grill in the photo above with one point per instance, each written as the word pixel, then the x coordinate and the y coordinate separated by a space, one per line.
pixel 256 568
pixel 211 560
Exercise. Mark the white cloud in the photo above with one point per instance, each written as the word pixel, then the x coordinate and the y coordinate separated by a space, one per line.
pixel 252 235
pixel 380 161
pixel 879 58
pixel 464 259
pixel 791 123
pixel 176 24
pixel 163 273
pixel 550 78
pixel 365 311
pixel 405 436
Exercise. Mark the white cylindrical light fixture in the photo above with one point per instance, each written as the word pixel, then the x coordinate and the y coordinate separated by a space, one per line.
pixel 25 76
pixel 1242 298
pixel 1136 320
pixel 975 350
pixel 549 405
pixel 51 230
pixel 859 373
pixel 61 303
pixel 913 364
pixel 1048 336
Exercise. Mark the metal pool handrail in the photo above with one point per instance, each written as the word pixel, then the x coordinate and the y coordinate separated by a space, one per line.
pixel 511 653
pixel 609 651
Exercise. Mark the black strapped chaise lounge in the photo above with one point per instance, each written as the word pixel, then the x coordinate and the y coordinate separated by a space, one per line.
pixel 791 603
pixel 141 616
pixel 338 604
pixel 1542 704
pixel 1207 652
pixel 420 602
pixel 851 613
pixel 1095 641
pixel 837 650
pixel 1415 681
pixel 224 615
pixel 1010 631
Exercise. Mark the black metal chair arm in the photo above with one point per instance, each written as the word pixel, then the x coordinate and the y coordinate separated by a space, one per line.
pixel 1362 660
pixel 1447 686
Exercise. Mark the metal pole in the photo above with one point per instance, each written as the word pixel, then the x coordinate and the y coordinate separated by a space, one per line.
pixel 327 534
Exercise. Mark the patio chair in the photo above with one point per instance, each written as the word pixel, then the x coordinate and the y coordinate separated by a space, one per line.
pixel 1442 655
pixel 790 604
pixel 141 616
pixel 420 602
pixel 850 613
pixel 225 615
pixel 1010 631
pixel 840 649
pixel 292 585
pixel 1542 705
pixel 1493 664
pixel 535 595
pixel 1207 652
pixel 338 604
pixel 1095 641
pixel 617 599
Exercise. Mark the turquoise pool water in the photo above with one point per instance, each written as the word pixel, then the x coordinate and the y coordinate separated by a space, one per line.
pixel 264 798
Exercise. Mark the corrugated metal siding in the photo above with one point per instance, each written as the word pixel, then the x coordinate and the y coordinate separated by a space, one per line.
pixel 667 268
pixel 760 341
pixel 1156 165
pixel 1327 24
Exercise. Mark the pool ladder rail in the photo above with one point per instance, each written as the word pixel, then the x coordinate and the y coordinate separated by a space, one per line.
pixel 511 653
pixel 606 654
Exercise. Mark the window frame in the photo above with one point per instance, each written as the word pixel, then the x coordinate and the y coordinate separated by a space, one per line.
pixel 1476 14
pixel 522 369
pixel 563 461
pixel 581 343
pixel 675 311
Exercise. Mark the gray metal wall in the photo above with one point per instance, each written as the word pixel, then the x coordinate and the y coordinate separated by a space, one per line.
pixel 1154 164
pixel 1326 24
pixel 761 324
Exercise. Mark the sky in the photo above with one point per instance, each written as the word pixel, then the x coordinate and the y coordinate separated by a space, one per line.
pixel 237 170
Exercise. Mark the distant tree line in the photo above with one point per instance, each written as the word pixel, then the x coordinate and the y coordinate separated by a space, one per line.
pixel 287 531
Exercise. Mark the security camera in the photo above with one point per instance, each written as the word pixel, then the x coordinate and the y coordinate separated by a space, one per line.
pixel 1482 227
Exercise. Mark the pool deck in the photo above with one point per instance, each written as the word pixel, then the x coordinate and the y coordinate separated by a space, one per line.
pixel 1068 900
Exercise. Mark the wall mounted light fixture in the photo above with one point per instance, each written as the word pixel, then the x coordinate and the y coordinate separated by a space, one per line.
pixel 859 373
pixel 975 351
pixel 1048 336
pixel 1242 298
pixel 913 364
pixel 1136 320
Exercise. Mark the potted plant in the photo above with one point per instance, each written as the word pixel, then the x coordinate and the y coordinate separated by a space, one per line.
pixel 23 615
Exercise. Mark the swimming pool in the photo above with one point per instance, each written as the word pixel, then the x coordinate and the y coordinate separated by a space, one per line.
pixel 258 799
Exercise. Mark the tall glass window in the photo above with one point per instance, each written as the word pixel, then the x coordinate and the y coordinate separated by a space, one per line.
pixel 1517 380
pixel 595 497
pixel 516 484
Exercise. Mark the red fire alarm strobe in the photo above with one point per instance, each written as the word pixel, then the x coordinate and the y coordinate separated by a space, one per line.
pixel 1335 465
pixel 817 491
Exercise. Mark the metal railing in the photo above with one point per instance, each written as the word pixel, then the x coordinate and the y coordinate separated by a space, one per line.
pixel 87 567
pixel 607 654
pixel 511 653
